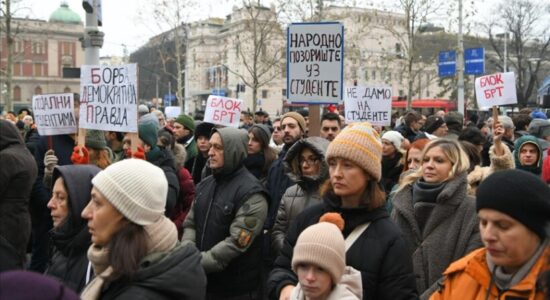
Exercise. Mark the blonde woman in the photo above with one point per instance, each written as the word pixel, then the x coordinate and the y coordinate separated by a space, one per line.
pixel 435 213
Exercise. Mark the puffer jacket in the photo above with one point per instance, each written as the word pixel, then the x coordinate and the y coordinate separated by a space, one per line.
pixel 451 230
pixel 18 172
pixel 380 253
pixel 71 238
pixel 470 278
pixel 304 193
pixel 349 288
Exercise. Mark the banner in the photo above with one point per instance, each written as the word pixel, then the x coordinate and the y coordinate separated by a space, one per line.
pixel 172 112
pixel 223 111
pixel 108 98
pixel 54 114
pixel 496 89
pixel 315 62
pixel 370 103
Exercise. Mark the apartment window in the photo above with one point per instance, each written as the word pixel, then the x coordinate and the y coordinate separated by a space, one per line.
pixel 366 75
pixel 17 93
pixel 17 69
pixel 264 93
pixel 373 74
pixel 37 69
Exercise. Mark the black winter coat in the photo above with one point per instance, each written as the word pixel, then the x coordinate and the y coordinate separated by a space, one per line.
pixel 17 174
pixel 380 253
pixel 164 159
pixel 178 275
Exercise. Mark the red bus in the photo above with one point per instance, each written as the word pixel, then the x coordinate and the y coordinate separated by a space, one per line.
pixel 427 106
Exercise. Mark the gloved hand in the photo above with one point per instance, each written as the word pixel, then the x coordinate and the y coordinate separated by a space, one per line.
pixel 139 154
pixel 50 161
pixel 80 160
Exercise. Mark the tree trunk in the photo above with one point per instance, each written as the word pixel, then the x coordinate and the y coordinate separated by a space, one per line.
pixel 9 67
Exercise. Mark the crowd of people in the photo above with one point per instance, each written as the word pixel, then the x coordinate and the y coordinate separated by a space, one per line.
pixel 430 207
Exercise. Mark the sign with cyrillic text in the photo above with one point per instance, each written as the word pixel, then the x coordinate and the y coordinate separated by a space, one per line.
pixel 369 103
pixel 496 89
pixel 108 98
pixel 315 62
pixel 54 114
pixel 172 111
pixel 223 111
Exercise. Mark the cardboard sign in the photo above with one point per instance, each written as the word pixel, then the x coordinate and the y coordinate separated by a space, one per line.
pixel 370 103
pixel 223 111
pixel 54 114
pixel 172 111
pixel 496 89
pixel 109 98
pixel 315 62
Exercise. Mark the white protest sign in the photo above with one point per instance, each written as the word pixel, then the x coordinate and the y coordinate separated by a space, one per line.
pixel 172 111
pixel 315 62
pixel 54 114
pixel 108 98
pixel 496 89
pixel 223 111
pixel 369 103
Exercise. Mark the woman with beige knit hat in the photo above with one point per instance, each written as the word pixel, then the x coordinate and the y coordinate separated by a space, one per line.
pixel 135 251
pixel 375 246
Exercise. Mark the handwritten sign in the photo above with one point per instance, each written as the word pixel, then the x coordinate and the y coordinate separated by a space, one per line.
pixel 54 114
pixel 370 103
pixel 108 98
pixel 315 62
pixel 223 111
pixel 172 111
pixel 496 89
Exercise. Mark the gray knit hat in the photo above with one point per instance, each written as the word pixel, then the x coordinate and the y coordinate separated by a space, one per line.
pixel 95 139
pixel 323 245
pixel 136 188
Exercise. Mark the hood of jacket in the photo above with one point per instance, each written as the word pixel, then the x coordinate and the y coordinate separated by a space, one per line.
pixel 234 148
pixel 526 139
pixel 9 135
pixel 78 182
pixel 180 155
pixel 292 165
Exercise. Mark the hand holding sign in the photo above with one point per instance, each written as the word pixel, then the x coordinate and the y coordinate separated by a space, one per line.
pixel 496 89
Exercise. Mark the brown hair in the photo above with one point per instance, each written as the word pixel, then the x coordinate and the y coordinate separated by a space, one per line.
pixel 126 250
pixel 417 144
pixel 269 154
pixel 373 196
pixel 100 158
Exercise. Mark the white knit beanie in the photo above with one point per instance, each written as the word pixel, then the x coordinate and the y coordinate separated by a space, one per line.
pixel 323 245
pixel 136 188
pixel 394 137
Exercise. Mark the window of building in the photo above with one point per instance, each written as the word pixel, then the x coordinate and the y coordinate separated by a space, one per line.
pixel 17 93
pixel 264 93
pixel 284 92
pixel 38 90
pixel 373 74
pixel 401 93
pixel 397 48
pixel 17 69
pixel 37 69
pixel 389 76
pixel 366 75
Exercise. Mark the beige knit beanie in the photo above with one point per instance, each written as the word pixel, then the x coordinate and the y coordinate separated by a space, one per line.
pixel 296 116
pixel 361 144
pixel 136 188
pixel 323 245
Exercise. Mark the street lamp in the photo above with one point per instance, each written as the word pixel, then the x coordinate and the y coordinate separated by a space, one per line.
pixel 505 35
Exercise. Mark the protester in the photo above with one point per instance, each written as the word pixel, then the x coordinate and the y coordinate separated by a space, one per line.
pixel 25 285
pixel 114 141
pixel 276 141
pixel 411 125
pixel 306 165
pixel 434 212
pixel 413 156
pixel 436 126
pixel 392 159
pixel 184 127
pixel 160 117
pixel 514 211
pixel 226 220
pixel 18 172
pixel 135 251
pixel 197 165
pixel 330 126
pixel 455 123
pixel 528 154
pixel 71 189
pixel 319 261
pixel 246 120
pixel 379 252
pixel 260 155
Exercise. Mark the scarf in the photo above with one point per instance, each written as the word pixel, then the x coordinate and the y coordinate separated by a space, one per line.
pixel 424 200
pixel 162 237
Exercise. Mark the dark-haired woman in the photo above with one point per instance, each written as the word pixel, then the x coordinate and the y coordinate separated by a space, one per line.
pixel 260 155
pixel 135 251
pixel 377 248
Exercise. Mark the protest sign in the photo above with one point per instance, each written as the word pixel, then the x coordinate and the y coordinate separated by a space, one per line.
pixel 370 103
pixel 54 114
pixel 108 98
pixel 315 62
pixel 496 89
pixel 172 111
pixel 223 111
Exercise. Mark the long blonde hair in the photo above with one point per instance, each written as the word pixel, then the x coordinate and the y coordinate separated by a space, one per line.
pixel 454 152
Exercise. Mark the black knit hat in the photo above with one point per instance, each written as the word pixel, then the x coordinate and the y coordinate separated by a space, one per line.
pixel 204 129
pixel 519 194
pixel 433 123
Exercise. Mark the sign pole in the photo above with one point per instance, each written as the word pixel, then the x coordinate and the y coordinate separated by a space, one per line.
pixel 460 62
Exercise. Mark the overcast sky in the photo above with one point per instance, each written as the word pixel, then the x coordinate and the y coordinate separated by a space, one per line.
pixel 124 26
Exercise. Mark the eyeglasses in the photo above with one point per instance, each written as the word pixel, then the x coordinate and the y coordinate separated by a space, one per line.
pixel 276 128
pixel 309 161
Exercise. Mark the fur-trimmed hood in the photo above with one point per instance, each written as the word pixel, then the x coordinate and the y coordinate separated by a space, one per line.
pixel 291 163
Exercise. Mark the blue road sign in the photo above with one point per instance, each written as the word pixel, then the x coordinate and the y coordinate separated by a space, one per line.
pixel 169 99
pixel 218 92
pixel 447 63
pixel 474 61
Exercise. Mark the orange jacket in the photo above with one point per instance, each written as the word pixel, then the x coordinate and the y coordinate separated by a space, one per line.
pixel 469 278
